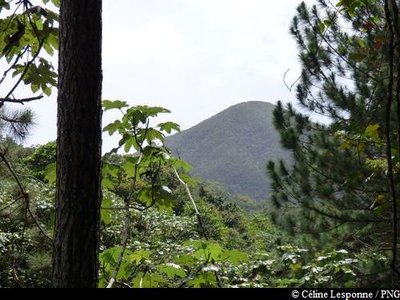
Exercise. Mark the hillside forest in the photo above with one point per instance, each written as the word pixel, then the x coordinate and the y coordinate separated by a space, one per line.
pixel 135 217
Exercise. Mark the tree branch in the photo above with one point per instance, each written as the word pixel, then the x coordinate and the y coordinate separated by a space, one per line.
pixel 20 100
pixel 25 195
pixel 199 220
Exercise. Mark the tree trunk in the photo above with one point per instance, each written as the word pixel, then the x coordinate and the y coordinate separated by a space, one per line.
pixel 75 257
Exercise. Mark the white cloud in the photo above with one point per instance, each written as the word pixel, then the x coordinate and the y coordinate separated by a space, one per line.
pixel 196 57
pixel 154 41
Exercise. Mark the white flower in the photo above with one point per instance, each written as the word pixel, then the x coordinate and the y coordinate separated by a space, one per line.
pixel 173 265
pixel 211 268
pixel 167 189
pixel 343 251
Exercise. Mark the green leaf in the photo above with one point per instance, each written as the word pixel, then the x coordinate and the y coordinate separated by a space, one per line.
pixel 105 211
pixel 124 271
pixel 109 175
pixel 153 134
pixel 129 166
pixel 187 260
pixel 48 48
pixel 147 280
pixel 110 256
pixel 164 201
pixel 136 116
pixel 180 164
pixel 4 5
pixel 169 126
pixel 50 173
pixel 145 195
pixel 203 280
pixel 113 127
pixel 113 104
pixel 35 87
pixel 47 90
pixel 372 132
pixel 129 143
pixel 171 270
pixel 138 256
pixel 152 111
pixel 295 267
pixel 106 257
pixel 214 250
pixel 107 183
pixel 110 170
pixel 205 249
pixel 340 3
pixel 235 256
pixel 56 3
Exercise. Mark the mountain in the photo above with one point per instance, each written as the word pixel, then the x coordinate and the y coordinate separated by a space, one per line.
pixel 233 148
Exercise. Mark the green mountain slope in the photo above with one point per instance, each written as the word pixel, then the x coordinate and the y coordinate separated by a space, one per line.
pixel 233 148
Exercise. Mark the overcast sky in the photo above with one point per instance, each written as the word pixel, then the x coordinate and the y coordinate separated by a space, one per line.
pixel 194 57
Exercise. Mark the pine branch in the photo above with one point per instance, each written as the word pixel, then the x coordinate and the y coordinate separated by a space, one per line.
pixel 24 194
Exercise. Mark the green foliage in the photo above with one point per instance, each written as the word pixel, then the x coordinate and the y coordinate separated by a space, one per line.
pixel 41 158
pixel 25 31
pixel 142 169
pixel 167 249
pixel 25 259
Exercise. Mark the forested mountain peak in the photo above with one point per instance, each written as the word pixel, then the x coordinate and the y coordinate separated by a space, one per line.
pixel 233 147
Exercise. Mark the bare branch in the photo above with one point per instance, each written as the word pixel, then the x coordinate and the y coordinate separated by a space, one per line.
pixel 20 100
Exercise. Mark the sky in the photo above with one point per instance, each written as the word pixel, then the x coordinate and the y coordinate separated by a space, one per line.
pixel 194 57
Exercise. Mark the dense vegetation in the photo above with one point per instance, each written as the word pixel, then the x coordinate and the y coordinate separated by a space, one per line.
pixel 335 219
pixel 167 247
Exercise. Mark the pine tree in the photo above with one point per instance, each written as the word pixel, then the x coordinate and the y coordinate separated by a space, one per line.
pixel 342 187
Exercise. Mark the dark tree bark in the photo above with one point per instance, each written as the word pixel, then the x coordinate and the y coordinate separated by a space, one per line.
pixel 75 258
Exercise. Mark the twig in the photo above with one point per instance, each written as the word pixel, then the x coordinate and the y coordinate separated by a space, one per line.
pixel 188 192
pixel 294 82
pixel 21 100
pixel 199 221
pixel 13 64
pixel 26 69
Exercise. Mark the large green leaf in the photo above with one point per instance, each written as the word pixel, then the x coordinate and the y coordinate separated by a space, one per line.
pixel 114 104
pixel 105 211
pixel 234 256
pixel 147 280
pixel 171 270
pixel 113 127
pixel 50 173
pixel 169 126
pixel 139 256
